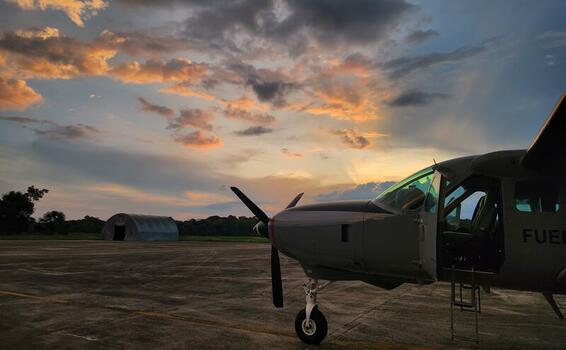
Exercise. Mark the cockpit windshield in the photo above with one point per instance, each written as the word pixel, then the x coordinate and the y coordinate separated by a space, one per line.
pixel 407 194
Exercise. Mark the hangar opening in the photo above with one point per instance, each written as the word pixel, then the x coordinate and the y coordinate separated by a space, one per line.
pixel 134 227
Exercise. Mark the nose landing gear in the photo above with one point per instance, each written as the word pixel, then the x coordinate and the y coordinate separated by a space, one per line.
pixel 310 323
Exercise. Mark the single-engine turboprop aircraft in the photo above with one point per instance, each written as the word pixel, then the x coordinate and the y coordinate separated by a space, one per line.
pixel 492 220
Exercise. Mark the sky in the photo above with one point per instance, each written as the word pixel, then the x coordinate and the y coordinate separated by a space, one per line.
pixel 158 107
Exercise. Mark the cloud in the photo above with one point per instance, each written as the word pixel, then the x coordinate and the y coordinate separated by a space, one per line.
pixel 193 117
pixel 368 191
pixel 142 43
pixel 45 33
pixel 15 94
pixel 85 162
pixel 197 139
pixel 325 21
pixel 188 90
pixel 158 71
pixel 402 66
pixel 51 130
pixel 149 107
pixel 291 154
pixel 420 36
pixel 271 91
pixel 242 156
pixel 553 39
pixel 293 25
pixel 414 98
pixel 69 132
pixel 350 99
pixel 47 54
pixel 252 117
pixel 268 85
pixel 352 138
pixel 77 10
pixel 331 22
pixel 357 65
pixel 254 131
pixel 244 103
pixel 187 118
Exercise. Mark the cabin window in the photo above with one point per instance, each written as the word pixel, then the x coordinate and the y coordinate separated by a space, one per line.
pixel 461 217
pixel 408 194
pixel 473 207
pixel 536 196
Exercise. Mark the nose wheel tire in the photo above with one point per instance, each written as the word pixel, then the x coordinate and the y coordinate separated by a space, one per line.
pixel 314 330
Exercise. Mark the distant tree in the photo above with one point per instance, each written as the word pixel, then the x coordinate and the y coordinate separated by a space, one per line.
pixel 89 224
pixel 53 222
pixel 218 226
pixel 16 209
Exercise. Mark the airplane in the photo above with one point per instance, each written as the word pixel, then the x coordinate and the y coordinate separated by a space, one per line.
pixel 492 220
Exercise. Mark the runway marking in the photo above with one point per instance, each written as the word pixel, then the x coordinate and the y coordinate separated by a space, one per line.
pixel 157 315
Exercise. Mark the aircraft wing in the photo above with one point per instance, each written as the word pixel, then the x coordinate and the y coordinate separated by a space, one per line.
pixel 550 144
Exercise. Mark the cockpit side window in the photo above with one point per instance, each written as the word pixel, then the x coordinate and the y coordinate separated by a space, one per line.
pixel 536 196
pixel 408 194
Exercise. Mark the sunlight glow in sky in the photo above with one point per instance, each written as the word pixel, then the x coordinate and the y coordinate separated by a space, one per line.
pixel 157 107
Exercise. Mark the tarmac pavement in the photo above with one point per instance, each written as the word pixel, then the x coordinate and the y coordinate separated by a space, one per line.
pixel 217 295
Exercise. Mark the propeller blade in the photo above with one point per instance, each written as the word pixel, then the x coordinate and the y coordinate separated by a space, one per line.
pixel 295 200
pixel 276 284
pixel 251 205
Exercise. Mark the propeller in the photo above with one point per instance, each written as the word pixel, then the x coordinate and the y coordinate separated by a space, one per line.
pixel 261 229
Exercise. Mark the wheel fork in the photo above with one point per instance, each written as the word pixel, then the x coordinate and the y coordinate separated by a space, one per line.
pixel 312 288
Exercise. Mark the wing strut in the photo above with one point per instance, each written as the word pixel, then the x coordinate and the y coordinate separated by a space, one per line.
pixel 550 298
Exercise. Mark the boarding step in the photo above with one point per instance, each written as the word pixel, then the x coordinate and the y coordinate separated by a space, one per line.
pixel 470 304
pixel 474 299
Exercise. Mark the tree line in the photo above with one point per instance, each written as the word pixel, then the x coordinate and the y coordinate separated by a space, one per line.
pixel 17 208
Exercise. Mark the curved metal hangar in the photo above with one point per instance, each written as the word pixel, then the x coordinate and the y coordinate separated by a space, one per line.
pixel 133 227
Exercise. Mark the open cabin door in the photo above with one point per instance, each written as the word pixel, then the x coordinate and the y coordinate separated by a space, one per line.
pixel 428 227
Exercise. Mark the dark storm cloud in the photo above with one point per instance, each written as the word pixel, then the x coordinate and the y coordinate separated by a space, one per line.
pixel 214 20
pixel 271 91
pixel 329 22
pixel 254 131
pixel 332 21
pixel 269 86
pixel 415 98
pixel 168 3
pixel 51 130
pixel 420 36
pixel 154 108
pixel 402 66
pixel 364 191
